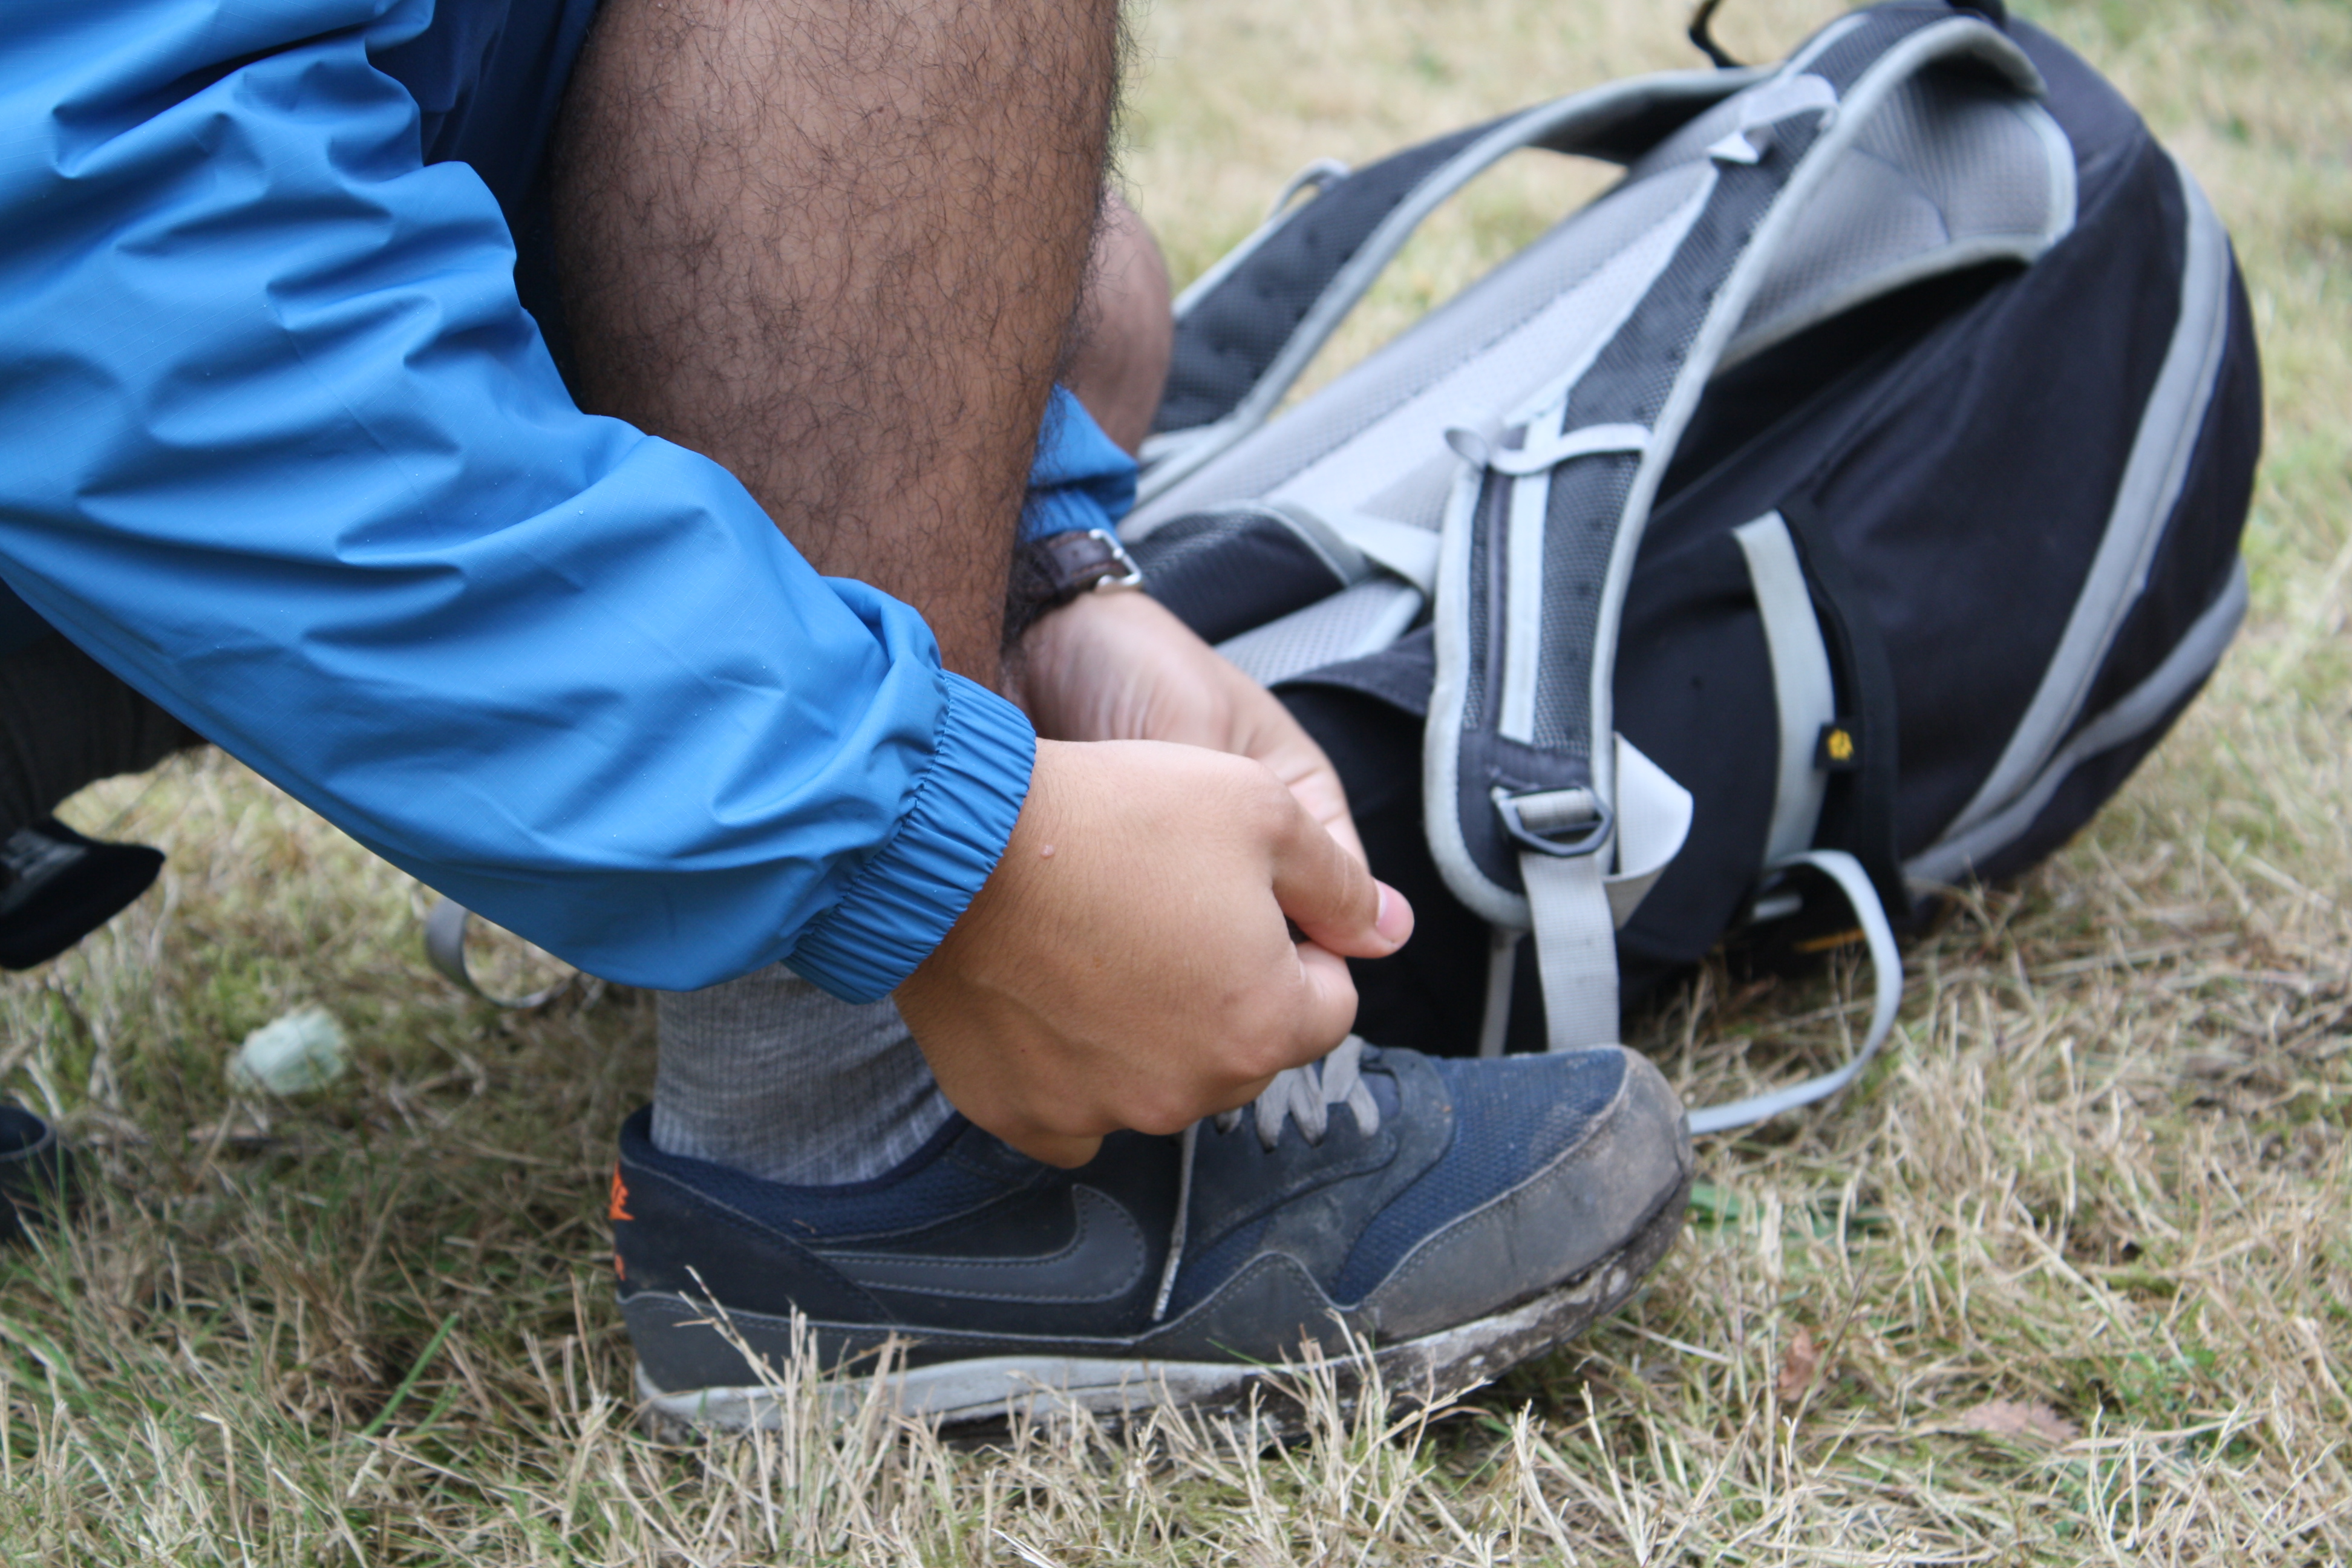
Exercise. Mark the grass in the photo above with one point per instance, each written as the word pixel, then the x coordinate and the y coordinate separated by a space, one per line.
pixel 2069 1279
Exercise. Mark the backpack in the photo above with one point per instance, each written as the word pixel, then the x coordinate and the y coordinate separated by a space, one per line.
pixel 1836 508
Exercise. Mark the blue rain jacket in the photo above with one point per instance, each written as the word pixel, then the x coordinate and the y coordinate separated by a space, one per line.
pixel 280 447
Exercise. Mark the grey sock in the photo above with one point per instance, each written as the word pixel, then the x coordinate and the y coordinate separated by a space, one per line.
pixel 770 1075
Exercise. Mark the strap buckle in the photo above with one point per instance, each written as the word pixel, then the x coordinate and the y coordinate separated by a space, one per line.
pixel 1561 823
pixel 1120 570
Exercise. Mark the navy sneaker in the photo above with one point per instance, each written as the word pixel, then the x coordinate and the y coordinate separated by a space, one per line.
pixel 35 1172
pixel 1458 1215
pixel 57 886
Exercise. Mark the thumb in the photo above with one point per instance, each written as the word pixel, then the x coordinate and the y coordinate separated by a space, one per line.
pixel 1331 898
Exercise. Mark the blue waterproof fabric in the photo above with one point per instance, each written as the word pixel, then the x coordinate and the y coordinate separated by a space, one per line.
pixel 279 446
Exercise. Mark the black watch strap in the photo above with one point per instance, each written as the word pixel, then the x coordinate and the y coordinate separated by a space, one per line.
pixel 1054 569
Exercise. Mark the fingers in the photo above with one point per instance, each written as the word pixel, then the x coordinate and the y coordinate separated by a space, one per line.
pixel 1069 1000
pixel 1328 1006
pixel 1341 826
pixel 1330 895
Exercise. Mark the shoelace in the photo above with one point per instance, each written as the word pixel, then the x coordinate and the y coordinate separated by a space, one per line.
pixel 1306 1095
pixel 1301 1094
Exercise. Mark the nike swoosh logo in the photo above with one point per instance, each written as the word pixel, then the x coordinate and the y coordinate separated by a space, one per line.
pixel 1102 1261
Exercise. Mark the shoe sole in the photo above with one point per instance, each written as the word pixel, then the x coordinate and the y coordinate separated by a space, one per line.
pixel 1429 1369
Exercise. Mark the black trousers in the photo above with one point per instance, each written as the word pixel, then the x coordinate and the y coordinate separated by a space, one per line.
pixel 65 722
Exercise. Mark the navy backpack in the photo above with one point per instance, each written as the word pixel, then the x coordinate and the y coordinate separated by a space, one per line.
pixel 1838 508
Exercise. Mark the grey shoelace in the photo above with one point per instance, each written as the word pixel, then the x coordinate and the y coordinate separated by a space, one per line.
pixel 1305 1096
pixel 1301 1094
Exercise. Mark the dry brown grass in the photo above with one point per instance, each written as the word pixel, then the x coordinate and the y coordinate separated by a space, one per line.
pixel 2069 1279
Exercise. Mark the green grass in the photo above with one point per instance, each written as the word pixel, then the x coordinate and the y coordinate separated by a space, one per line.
pixel 2102 1171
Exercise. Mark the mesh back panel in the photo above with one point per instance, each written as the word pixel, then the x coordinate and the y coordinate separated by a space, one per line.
pixel 1948 165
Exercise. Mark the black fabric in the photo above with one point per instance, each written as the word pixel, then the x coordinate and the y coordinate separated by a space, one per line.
pixel 1965 471
pixel 1694 693
pixel 65 721
pixel 19 626
pixel 1641 126
pixel 36 1172
pixel 1629 383
pixel 40 919
pixel 1961 471
pixel 1971 505
pixel 1879 28
pixel 2087 788
pixel 1399 675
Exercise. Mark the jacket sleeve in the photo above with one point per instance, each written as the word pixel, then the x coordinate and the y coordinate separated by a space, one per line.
pixel 278 445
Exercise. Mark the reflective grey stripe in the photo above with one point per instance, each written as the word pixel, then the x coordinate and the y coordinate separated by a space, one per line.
pixel 1885 960
pixel 2152 481
pixel 1576 947
pixel 1522 607
pixel 2191 659
pixel 1801 690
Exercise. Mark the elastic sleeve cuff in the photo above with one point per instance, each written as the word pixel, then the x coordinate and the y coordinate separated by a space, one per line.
pixel 901 902
pixel 1080 478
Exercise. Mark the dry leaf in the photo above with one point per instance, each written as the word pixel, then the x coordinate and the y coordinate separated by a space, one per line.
pixel 1797 1365
pixel 2023 1421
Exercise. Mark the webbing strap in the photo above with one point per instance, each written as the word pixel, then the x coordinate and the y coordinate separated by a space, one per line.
pixel 1577 903
pixel 1885 961
pixel 1399 547
pixel 1502 970
pixel 445 948
pixel 1576 947
pixel 1801 690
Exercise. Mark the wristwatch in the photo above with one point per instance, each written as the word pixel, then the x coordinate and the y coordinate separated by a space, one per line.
pixel 1051 571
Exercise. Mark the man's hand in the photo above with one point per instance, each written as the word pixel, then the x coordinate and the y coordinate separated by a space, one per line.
pixel 1130 963
pixel 1118 667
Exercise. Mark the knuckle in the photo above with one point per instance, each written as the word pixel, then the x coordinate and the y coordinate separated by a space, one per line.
pixel 1261 801
pixel 1268 1050
pixel 1257 1029
pixel 1163 1119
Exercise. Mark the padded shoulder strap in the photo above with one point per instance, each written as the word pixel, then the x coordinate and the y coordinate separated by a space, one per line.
pixel 1520 770
pixel 1247 329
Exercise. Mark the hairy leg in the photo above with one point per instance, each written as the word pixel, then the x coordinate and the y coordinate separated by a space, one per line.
pixel 1126 333
pixel 838 246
